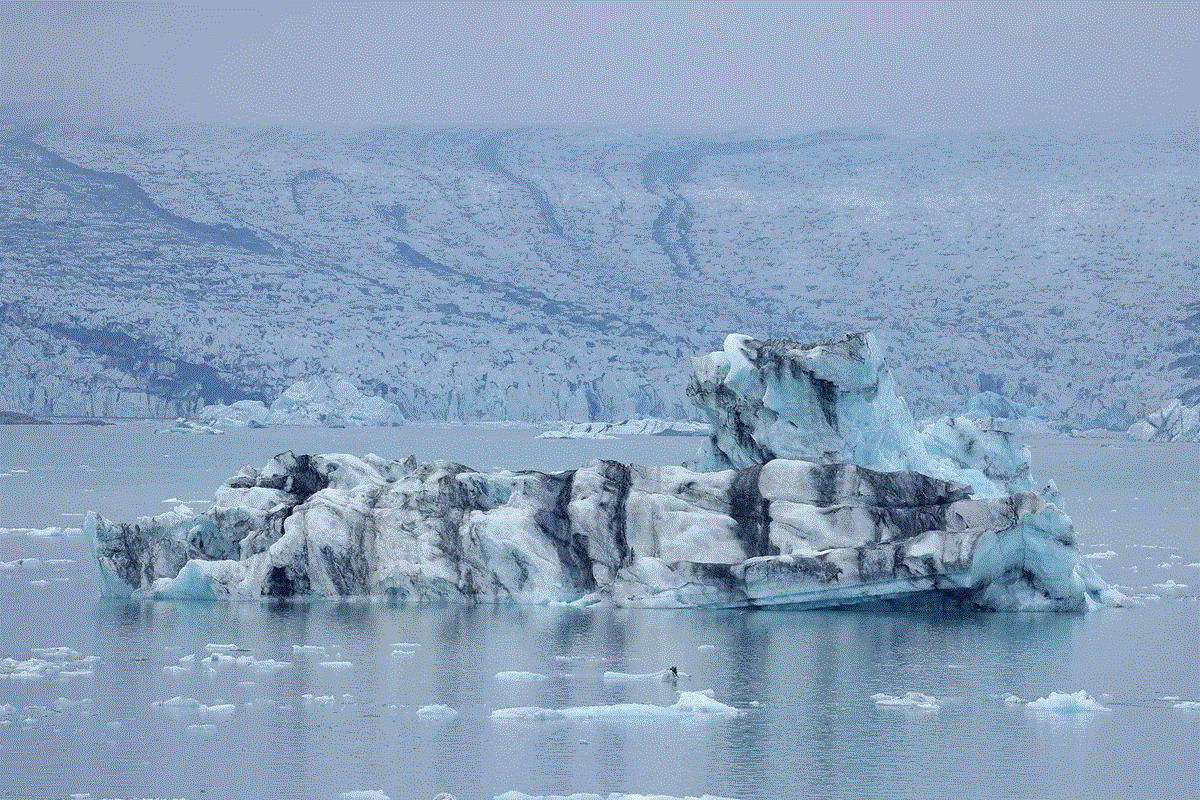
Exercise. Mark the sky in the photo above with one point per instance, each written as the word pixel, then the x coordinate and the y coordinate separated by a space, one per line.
pixel 905 66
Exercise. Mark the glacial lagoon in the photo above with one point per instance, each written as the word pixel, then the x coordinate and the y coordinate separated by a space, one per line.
pixel 317 699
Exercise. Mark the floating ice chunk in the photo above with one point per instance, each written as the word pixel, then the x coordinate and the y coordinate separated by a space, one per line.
pixel 585 796
pixel 221 710
pixel 364 794
pixel 1170 586
pixel 202 727
pixel 520 677
pixel 1104 554
pixel 1066 703
pixel 220 648
pixel 324 699
pixel 699 703
pixel 177 702
pixel 1187 704
pixel 337 664
pixel 702 702
pixel 923 702
pixel 436 711
pixel 42 582
pixel 406 645
pixel 269 665
pixel 707 647
pixel 175 669
pixel 1013 700
pixel 403 653
pixel 664 675
pixel 308 649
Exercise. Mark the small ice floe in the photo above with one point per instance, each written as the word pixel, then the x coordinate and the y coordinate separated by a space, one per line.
pixel 669 675
pixel 318 700
pixel 1170 586
pixel 202 727
pixel 520 677
pixel 1066 703
pixel 1190 705
pixel 55 562
pixel 1013 700
pixel 177 702
pixel 706 647
pixel 1169 697
pixel 308 649
pixel 21 563
pixel 175 669
pixel 436 711
pixel 403 653
pixel 268 665
pixel 1104 554
pixel 405 646
pixel 221 648
pixel 1195 564
pixel 62 704
pixel 42 582
pixel 915 700
pixel 364 794
pixel 336 664
pixel 582 796
pixel 699 704
pixel 1163 565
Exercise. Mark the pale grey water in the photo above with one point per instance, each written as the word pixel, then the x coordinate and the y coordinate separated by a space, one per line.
pixel 815 733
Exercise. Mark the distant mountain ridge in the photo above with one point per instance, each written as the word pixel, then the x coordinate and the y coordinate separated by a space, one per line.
pixel 554 274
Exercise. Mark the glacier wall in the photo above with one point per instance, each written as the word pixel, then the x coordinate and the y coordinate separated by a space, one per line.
pixel 533 274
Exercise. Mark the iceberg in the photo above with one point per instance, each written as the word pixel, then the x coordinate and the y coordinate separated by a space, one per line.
pixel 1174 422
pixel 814 490
pixel 322 400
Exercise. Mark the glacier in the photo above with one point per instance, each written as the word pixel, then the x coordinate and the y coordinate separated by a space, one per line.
pixel 814 490
pixel 433 268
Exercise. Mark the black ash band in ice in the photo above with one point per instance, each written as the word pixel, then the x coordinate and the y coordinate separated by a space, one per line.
pixel 815 490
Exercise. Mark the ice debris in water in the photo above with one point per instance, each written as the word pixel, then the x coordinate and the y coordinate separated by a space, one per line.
pixel 1187 704
pixel 364 794
pixel 699 703
pixel 923 702
pixel 60 662
pixel 337 664
pixel 1101 555
pixel 520 677
pixel 1013 700
pixel 514 795
pixel 1066 703
pixel 308 649
pixel 436 711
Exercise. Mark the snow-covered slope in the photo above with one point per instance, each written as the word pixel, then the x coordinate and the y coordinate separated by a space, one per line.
pixel 550 274
pixel 805 530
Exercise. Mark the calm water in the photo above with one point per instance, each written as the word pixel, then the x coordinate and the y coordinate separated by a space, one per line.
pixel 803 680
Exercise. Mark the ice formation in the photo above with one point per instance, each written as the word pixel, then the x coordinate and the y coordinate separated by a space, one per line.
pixel 631 427
pixel 1174 422
pixel 817 491
pixel 1066 703
pixel 699 703
pixel 329 400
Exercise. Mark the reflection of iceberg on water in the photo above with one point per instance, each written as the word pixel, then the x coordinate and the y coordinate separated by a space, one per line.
pixel 814 490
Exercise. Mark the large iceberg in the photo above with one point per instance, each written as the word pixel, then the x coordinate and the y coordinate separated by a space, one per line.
pixel 322 400
pixel 815 490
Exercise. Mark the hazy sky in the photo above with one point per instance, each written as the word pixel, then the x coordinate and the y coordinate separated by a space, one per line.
pixel 908 66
